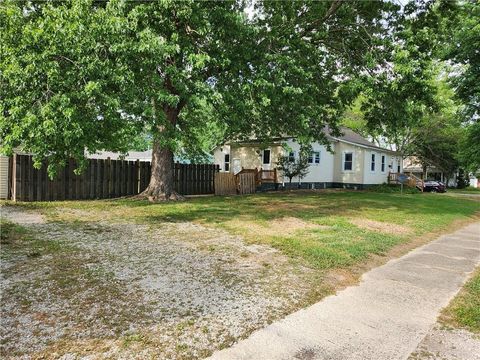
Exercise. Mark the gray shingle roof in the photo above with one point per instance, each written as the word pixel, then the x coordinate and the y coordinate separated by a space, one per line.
pixel 351 136
pixel 347 135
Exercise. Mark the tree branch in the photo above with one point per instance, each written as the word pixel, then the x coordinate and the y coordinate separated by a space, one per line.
pixel 331 11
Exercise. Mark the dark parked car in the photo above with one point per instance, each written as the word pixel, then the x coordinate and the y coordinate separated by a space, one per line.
pixel 434 186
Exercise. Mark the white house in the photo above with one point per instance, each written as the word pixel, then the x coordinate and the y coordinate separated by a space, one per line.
pixel 355 161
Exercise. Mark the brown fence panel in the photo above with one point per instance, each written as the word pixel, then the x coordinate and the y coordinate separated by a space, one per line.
pixel 247 183
pixel 194 179
pixel 118 178
pixel 102 179
pixel 22 178
pixel 225 184
pixel 92 166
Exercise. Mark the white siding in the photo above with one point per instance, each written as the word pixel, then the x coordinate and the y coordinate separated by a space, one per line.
pixel 322 172
pixel 219 156
pixel 395 161
pixel 474 182
pixel 354 176
pixel 3 177
pixel 329 170
pixel 376 176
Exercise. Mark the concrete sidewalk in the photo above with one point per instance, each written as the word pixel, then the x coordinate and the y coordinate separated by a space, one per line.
pixel 384 317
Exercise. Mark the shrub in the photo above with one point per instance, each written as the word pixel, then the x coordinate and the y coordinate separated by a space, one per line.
pixel 392 188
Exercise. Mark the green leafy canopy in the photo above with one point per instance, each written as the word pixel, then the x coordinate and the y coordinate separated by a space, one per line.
pixel 87 75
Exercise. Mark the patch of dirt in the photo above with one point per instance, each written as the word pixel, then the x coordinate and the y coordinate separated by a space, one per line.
pixel 170 290
pixel 291 224
pixel 20 216
pixel 278 227
pixel 272 207
pixel 306 354
pixel 378 226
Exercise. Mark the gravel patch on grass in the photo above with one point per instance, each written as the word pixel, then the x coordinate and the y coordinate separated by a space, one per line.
pixel 170 290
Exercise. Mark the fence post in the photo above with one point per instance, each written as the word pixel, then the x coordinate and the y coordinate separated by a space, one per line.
pixel 30 178
pixel 9 177
pixel 15 180
pixel 137 176
pixel 108 172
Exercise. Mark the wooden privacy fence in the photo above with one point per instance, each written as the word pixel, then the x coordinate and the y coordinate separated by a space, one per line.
pixel 225 184
pixel 228 184
pixel 102 178
pixel 246 183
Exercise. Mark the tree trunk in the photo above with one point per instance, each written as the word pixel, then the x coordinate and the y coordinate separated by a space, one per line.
pixel 160 187
pixel 424 172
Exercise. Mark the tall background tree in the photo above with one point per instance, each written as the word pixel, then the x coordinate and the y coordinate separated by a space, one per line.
pixel 425 103
pixel 461 50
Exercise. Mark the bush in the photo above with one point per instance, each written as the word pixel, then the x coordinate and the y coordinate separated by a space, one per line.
pixel 392 188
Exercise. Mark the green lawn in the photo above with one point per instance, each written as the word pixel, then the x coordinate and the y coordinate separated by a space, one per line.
pixel 107 263
pixel 324 229
pixel 467 190
pixel 464 310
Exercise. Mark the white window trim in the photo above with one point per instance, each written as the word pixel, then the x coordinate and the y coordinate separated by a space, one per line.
pixel 384 163
pixel 227 162
pixel 312 154
pixel 374 162
pixel 287 153
pixel 343 161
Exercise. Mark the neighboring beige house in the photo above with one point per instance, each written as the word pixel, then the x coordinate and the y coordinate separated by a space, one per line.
pixel 354 163
pixel 412 165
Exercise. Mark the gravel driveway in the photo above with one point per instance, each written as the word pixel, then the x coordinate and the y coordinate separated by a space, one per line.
pixel 121 290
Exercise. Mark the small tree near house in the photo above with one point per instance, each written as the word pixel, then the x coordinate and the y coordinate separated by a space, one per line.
pixel 292 166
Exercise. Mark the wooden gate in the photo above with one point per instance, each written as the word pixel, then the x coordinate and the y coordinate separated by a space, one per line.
pixel 246 183
pixel 225 184
pixel 229 184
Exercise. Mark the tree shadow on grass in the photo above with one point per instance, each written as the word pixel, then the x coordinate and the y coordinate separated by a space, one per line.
pixel 312 206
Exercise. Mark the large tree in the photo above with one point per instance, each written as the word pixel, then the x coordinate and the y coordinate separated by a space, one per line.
pixel 88 75
pixel 461 50
pixel 398 98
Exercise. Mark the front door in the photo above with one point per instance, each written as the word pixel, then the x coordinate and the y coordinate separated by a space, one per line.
pixel 237 166
pixel 266 159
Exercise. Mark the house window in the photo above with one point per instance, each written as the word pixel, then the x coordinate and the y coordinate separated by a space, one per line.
pixel 291 156
pixel 398 168
pixel 372 163
pixel 314 157
pixel 348 162
pixel 383 163
pixel 266 156
pixel 227 162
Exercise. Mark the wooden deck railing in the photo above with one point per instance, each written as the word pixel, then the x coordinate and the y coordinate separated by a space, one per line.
pixel 413 181
pixel 262 176
pixel 268 176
